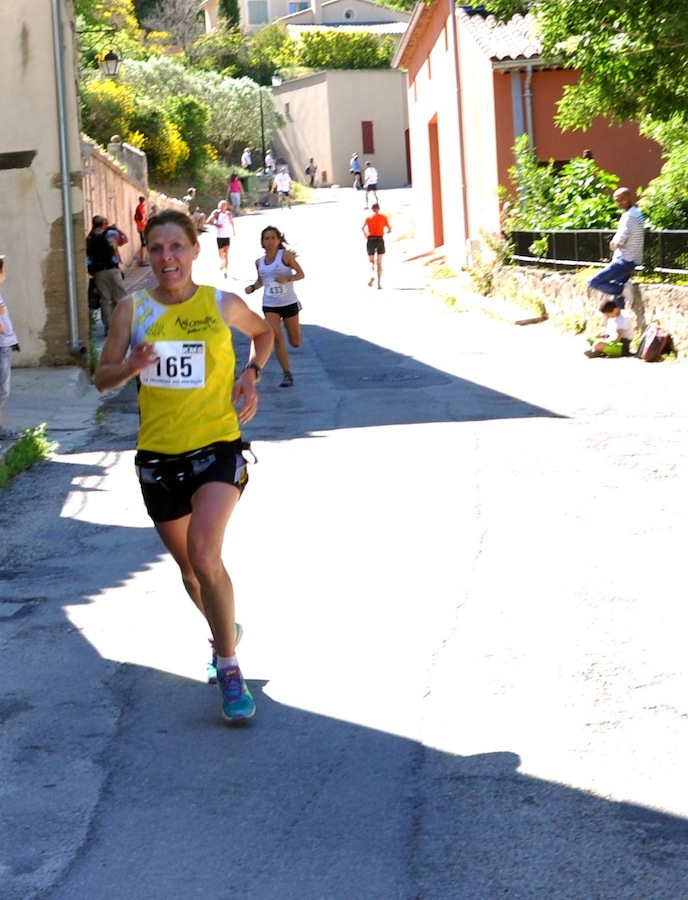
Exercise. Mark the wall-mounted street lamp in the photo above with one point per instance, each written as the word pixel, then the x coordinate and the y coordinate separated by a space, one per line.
pixel 110 64
pixel 96 39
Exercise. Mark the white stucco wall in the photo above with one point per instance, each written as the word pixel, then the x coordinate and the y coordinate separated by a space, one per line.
pixel 323 115
pixel 31 229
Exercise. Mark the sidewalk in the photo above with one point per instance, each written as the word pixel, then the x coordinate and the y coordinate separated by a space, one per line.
pixel 62 397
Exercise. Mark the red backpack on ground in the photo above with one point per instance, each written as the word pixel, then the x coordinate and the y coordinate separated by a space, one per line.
pixel 654 343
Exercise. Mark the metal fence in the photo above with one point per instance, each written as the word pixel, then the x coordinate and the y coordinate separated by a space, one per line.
pixel 665 251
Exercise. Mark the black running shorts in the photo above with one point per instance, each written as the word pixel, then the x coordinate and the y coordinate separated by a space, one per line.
pixel 169 482
pixel 375 245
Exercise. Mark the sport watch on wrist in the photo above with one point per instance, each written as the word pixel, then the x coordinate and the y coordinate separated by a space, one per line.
pixel 256 368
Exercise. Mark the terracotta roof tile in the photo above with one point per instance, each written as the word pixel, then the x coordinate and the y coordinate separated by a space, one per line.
pixel 515 39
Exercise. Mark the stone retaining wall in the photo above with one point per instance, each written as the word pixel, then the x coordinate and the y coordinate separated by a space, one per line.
pixel 566 296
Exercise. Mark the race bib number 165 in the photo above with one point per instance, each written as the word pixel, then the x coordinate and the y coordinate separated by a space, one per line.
pixel 180 364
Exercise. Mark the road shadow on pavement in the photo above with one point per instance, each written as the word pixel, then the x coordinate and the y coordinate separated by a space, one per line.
pixel 299 806
pixel 122 781
pixel 368 385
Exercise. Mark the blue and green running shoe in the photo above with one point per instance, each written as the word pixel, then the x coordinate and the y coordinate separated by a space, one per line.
pixel 237 702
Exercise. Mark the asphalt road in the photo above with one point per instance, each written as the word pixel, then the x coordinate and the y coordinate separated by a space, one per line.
pixel 458 567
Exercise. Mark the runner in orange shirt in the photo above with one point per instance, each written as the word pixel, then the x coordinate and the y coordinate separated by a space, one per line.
pixel 374 229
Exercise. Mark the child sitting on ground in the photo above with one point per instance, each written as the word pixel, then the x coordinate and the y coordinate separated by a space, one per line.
pixel 618 333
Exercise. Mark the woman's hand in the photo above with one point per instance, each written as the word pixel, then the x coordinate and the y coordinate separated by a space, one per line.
pixel 142 356
pixel 245 396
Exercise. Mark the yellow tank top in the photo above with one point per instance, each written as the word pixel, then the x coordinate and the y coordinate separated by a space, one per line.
pixel 185 399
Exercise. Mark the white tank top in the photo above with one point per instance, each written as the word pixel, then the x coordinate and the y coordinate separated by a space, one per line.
pixel 275 294
pixel 223 222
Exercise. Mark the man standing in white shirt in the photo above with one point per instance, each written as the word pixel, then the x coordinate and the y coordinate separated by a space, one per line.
pixel 627 245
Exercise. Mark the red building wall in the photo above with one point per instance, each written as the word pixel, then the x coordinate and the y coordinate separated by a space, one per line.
pixel 619 149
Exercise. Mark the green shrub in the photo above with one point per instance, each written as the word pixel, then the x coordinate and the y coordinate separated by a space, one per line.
pixel 665 200
pixel 578 195
pixel 31 447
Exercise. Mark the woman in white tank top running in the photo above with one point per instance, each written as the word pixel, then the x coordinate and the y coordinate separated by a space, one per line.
pixel 221 217
pixel 277 272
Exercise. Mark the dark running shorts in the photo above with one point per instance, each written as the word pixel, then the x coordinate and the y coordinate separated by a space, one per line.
pixel 169 482
pixel 284 312
pixel 222 242
pixel 375 245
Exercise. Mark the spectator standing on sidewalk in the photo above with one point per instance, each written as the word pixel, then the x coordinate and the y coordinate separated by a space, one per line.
pixel 374 228
pixel 176 340
pixel 198 217
pixel 311 171
pixel 355 169
pixel 8 345
pixel 141 219
pixel 102 250
pixel 627 245
pixel 234 192
pixel 277 271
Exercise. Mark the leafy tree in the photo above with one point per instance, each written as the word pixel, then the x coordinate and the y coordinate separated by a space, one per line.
pixel 106 109
pixel 159 138
pixel 107 25
pixel 257 56
pixel 229 11
pixel 269 49
pixel 404 5
pixel 110 108
pixel 181 18
pixel 192 118
pixel 120 14
pixel 631 55
pixel 665 200
pixel 234 102
pixel 223 50
pixel 144 8
pixel 338 50
pixel 579 195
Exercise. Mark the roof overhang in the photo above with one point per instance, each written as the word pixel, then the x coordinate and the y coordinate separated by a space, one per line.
pixel 420 20
pixel 520 65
